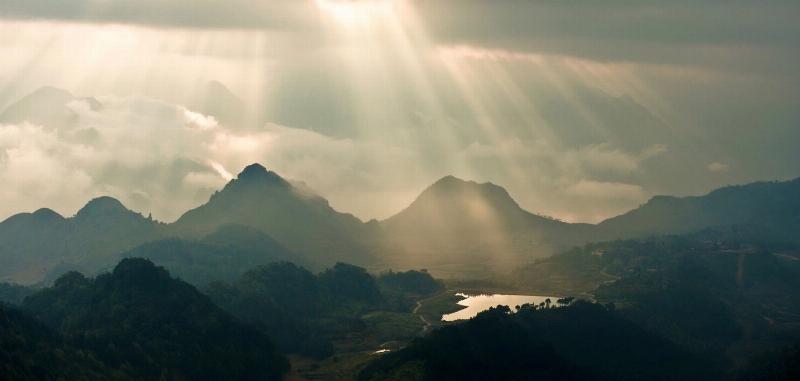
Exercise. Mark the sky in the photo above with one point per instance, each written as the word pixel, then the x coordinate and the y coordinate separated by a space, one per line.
pixel 582 109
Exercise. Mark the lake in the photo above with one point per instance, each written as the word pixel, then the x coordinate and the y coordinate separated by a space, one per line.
pixel 477 303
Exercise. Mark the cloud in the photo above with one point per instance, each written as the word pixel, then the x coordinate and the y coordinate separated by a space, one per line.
pixel 678 32
pixel 587 183
pixel 170 13
pixel 718 167
pixel 607 190
pixel 734 35
pixel 542 97
pixel 602 157
pixel 165 159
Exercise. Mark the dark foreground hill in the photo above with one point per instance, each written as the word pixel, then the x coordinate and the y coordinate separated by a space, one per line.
pixel 150 326
pixel 581 342
pixel 724 294
pixel 31 351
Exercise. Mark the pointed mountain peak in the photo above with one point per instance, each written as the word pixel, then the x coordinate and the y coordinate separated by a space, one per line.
pixel 102 206
pixel 449 180
pixel 257 173
pixel 217 88
pixel 51 92
pixel 45 106
pixel 254 169
pixel 223 104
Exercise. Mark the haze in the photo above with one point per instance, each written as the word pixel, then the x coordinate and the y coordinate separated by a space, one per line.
pixel 581 110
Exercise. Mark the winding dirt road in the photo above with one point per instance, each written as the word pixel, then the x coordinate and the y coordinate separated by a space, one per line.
pixel 421 317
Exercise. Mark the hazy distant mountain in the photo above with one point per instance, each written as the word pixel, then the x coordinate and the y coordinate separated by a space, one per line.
pixel 293 215
pixel 219 102
pixel 457 221
pixel 454 227
pixel 223 255
pixel 773 207
pixel 47 106
pixel 461 226
pixel 32 245
pixel 454 207
pixel 140 320
pixel 41 245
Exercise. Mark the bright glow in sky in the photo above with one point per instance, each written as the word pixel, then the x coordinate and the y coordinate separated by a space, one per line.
pixel 357 12
pixel 580 110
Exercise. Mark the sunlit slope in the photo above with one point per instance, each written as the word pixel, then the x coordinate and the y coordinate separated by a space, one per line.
pixel 457 221
pixel 456 224
pixel 291 214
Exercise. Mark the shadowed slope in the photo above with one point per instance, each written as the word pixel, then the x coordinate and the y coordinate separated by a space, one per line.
pixel 33 245
pixel 139 319
pixel 771 206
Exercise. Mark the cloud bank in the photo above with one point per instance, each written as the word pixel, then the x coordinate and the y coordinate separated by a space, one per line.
pixel 164 159
pixel 582 110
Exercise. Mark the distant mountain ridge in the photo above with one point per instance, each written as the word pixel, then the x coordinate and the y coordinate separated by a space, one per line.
pixel 453 223
pixel 33 244
pixel 479 205
pixel 458 226
pixel 48 107
pixel 456 222
pixel 293 215
pixel 222 255
pixel 754 203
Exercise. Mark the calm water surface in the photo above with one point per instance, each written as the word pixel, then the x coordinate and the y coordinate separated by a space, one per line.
pixel 478 303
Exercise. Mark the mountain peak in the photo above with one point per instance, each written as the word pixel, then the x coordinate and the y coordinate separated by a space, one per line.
pixel 450 180
pixel 258 173
pixel 103 205
pixel 457 198
pixel 51 92
pixel 46 106
pixel 140 266
pixel 254 169
pixel 47 214
pixel 452 186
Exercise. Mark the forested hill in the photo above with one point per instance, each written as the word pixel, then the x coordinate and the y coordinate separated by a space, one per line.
pixel 141 321
pixel 31 351
pixel 583 341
